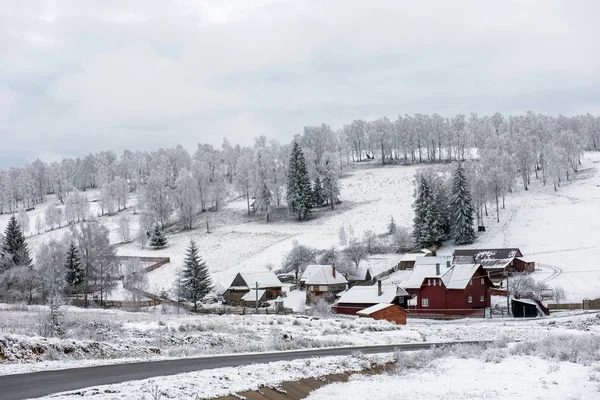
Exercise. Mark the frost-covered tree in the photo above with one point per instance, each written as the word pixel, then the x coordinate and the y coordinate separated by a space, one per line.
pixel 298 258
pixel 124 228
pixel 98 259
pixel 135 279
pixel 39 224
pixel 23 220
pixel 196 279
pixel 77 207
pixel 244 174
pixel 50 258
pixel 186 198
pixel 330 170
pixel 392 227
pixel 461 208
pixel 356 251
pixel 158 239
pixel 158 197
pixel 299 194
pixel 262 184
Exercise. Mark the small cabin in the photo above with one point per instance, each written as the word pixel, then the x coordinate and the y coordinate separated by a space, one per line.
pixel 388 312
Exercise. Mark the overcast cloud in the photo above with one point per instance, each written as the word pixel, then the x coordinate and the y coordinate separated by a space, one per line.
pixel 82 76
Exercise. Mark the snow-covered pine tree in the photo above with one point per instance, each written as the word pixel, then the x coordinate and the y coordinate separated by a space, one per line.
pixel 442 210
pixel 299 193
pixel 196 281
pixel 15 244
pixel 75 271
pixel 392 227
pixel 317 193
pixel 461 207
pixel 427 228
pixel 158 239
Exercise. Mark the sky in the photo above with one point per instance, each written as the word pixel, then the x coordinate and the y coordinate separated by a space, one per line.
pixel 84 76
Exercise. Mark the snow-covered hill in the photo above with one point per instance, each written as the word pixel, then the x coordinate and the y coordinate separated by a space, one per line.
pixel 559 230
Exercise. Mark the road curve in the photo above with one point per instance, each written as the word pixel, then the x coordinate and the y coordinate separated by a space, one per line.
pixel 38 384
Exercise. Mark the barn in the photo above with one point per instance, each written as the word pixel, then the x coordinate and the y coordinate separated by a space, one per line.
pixel 388 312
pixel 524 308
pixel 496 262
pixel 246 281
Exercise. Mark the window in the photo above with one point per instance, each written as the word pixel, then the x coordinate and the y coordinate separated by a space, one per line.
pixel 470 299
pixel 483 281
pixel 322 288
pixel 428 282
pixel 434 282
pixel 425 302
pixel 481 298
pixel 471 282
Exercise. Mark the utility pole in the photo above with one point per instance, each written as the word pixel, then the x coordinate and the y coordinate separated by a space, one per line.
pixel 507 295
pixel 256 305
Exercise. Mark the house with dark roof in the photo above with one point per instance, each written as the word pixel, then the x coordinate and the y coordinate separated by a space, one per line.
pixel 360 297
pixel 322 282
pixel 498 263
pixel 244 282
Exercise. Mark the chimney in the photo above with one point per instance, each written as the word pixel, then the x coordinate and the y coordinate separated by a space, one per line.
pixel 379 291
pixel 333 270
pixel 437 268
pixel 448 264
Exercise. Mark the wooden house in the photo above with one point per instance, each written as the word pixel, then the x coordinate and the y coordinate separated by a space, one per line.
pixel 498 263
pixel 322 282
pixel 360 277
pixel 246 281
pixel 385 311
pixel 358 298
pixel 449 290
pixel 408 260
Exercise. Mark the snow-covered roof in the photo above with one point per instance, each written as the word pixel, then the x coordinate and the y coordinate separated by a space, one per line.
pixel 370 295
pixel 374 309
pixel 479 254
pixel 310 270
pixel 251 295
pixel 412 256
pixel 442 260
pixel 322 275
pixel 500 263
pixel 459 276
pixel 360 274
pixel 422 272
pixel 524 259
pixel 264 279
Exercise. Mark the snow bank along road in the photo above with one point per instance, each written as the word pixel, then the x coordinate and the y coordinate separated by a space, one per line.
pixel 37 384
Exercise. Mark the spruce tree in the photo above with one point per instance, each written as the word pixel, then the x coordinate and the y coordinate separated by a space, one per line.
pixel 196 282
pixel 461 207
pixel 427 230
pixel 392 227
pixel 299 193
pixel 74 269
pixel 317 193
pixel 158 239
pixel 15 245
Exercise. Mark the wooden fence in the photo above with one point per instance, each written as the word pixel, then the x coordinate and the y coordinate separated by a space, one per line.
pixel 156 261
pixel 445 313
pixel 586 304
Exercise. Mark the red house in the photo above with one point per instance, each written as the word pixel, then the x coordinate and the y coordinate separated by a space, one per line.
pixel 449 291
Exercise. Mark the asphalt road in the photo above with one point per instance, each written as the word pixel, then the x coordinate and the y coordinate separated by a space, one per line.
pixel 38 384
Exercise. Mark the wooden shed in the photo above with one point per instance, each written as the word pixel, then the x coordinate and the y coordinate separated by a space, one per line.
pixel 388 312
pixel 525 308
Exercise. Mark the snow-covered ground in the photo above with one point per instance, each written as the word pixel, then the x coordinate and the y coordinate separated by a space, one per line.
pixel 559 230
pixel 516 377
